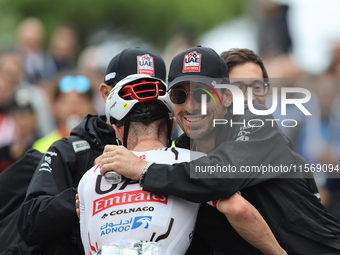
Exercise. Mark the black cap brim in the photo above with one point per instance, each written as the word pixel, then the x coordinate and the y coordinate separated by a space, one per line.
pixel 197 79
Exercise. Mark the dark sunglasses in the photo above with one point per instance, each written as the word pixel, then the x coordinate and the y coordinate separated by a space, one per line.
pixel 179 96
pixel 79 83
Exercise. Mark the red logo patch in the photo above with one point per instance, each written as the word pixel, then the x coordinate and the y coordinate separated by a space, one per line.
pixel 142 157
pixel 130 197
pixel 192 62
pixel 145 65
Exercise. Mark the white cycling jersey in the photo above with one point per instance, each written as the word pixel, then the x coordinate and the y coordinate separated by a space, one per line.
pixel 125 219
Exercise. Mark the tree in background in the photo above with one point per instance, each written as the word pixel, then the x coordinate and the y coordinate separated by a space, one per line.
pixel 154 21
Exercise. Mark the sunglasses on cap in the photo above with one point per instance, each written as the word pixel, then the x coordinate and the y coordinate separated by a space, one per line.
pixel 79 83
pixel 179 96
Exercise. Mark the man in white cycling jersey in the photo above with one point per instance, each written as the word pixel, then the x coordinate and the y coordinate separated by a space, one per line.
pixel 122 218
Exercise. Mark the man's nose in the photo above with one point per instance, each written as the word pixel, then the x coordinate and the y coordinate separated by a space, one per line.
pixel 191 105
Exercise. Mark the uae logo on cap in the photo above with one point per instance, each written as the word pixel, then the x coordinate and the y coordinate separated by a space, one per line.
pixel 145 65
pixel 192 62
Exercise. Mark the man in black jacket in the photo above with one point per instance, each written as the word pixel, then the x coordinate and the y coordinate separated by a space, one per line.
pixel 48 214
pixel 295 215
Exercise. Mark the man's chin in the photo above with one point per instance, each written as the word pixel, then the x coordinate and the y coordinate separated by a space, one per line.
pixel 199 134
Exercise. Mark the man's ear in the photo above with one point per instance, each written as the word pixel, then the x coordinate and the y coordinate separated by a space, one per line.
pixel 227 98
pixel 173 123
pixel 119 132
pixel 105 90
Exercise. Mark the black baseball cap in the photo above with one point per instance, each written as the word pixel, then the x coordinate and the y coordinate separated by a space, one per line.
pixel 134 61
pixel 198 64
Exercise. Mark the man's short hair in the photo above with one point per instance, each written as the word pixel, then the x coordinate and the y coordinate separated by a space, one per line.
pixel 235 57
pixel 152 107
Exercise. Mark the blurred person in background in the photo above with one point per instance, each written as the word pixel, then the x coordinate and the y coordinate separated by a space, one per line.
pixel 11 69
pixel 319 141
pixel 325 129
pixel 20 104
pixel 63 47
pixel 284 72
pixel 274 35
pixel 38 65
pixel 72 100
pixel 334 68
pixel 7 125
pixel 331 154
pixel 24 118
pixel 316 138
pixel 90 62
pixel 180 41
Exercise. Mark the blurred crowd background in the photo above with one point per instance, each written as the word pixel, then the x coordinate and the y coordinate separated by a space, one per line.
pixel 53 57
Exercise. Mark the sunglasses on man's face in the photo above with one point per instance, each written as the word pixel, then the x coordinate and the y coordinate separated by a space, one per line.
pixel 179 96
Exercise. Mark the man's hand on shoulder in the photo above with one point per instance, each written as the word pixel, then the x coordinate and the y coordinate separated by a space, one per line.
pixel 121 160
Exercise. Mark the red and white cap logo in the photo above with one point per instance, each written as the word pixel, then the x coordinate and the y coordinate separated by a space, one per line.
pixel 192 62
pixel 145 65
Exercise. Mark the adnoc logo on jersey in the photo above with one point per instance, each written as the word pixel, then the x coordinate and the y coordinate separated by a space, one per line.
pixel 141 221
pixel 145 65
pixel 192 62
pixel 126 225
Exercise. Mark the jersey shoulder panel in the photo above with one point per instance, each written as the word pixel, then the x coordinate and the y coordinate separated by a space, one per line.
pixel 171 155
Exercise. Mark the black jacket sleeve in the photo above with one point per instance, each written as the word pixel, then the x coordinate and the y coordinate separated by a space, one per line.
pixel 49 207
pixel 15 180
pixel 265 146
